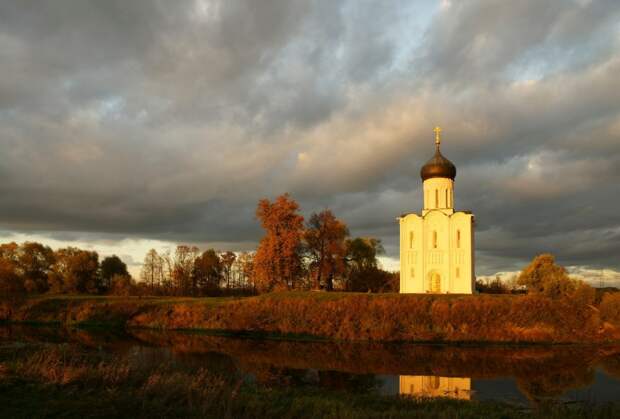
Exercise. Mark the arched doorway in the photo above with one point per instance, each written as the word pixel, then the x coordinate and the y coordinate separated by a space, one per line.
pixel 432 382
pixel 435 282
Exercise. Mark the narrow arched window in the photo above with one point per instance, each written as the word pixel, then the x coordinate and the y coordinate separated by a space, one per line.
pixel 458 239
pixel 434 240
pixel 447 205
pixel 411 236
pixel 436 198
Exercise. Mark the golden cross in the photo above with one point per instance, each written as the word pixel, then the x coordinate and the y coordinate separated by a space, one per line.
pixel 437 131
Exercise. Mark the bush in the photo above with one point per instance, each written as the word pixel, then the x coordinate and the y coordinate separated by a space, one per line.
pixel 544 276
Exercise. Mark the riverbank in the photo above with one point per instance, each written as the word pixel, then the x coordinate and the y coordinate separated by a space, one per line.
pixel 339 316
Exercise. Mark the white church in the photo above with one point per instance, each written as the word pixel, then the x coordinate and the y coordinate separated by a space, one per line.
pixel 437 246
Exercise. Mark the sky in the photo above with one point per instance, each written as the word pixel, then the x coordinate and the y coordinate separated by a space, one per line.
pixel 131 125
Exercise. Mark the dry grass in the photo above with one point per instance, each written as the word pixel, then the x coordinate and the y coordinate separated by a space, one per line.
pixel 342 316
pixel 66 367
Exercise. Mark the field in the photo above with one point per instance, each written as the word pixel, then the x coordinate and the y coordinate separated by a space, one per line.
pixel 342 316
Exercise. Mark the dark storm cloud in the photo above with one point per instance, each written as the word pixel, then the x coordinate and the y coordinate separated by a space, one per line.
pixel 169 120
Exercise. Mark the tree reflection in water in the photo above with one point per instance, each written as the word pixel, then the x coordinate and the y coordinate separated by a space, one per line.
pixel 541 372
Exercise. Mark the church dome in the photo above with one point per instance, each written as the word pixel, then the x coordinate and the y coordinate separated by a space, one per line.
pixel 438 166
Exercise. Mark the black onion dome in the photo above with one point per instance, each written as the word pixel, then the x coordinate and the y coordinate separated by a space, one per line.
pixel 438 166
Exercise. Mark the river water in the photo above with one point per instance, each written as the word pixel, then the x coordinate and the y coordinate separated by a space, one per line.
pixel 525 375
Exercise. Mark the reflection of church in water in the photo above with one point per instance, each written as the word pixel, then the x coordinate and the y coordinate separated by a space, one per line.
pixel 434 386
pixel 437 246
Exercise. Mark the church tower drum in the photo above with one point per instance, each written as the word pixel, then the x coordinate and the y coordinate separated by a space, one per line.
pixel 437 246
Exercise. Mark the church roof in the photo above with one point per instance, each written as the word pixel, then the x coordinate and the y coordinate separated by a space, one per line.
pixel 438 165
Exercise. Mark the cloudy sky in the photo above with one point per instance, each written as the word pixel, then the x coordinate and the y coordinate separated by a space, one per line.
pixel 130 125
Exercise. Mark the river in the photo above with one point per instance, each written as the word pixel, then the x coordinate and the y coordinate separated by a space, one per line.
pixel 524 375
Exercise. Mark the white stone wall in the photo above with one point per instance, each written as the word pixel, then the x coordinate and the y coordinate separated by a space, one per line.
pixel 438 194
pixel 438 243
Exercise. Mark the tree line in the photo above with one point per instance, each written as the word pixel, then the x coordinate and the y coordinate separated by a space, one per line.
pixel 293 254
pixel 543 276
pixel 315 254
pixel 34 268
pixel 189 272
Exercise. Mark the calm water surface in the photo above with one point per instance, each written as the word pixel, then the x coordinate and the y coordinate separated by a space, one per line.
pixel 523 375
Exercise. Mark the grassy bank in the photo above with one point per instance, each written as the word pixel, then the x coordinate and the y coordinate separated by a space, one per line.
pixel 343 316
pixel 59 382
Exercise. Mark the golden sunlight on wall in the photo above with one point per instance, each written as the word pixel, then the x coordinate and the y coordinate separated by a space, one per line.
pixel 437 246
pixel 434 386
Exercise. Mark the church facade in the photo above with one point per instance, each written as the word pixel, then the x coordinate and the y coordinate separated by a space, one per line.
pixel 437 246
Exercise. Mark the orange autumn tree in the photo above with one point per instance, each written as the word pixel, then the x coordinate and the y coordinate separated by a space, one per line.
pixel 325 239
pixel 278 259
pixel 544 276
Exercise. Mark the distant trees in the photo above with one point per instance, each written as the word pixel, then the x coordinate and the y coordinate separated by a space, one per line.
pixel 278 261
pixel 244 270
pixel 543 276
pixel 35 261
pixel 325 242
pixel 122 285
pixel 291 255
pixel 364 273
pixel 111 266
pixel 33 268
pixel 75 271
pixel 208 269
pixel 152 273
pixel 495 286
pixel 317 255
pixel 30 263
pixel 189 272
pixel 183 281
pixel 362 253
pixel 227 260
pixel 11 285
